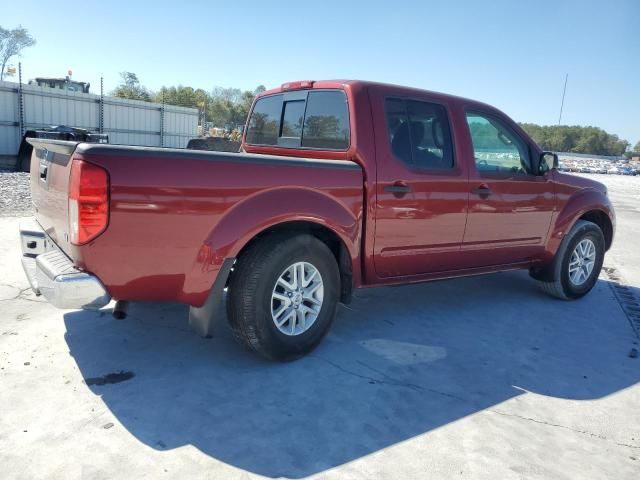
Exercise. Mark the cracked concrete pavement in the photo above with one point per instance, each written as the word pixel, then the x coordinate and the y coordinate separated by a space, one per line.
pixel 478 378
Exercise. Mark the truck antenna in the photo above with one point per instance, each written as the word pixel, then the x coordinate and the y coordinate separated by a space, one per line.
pixel 564 91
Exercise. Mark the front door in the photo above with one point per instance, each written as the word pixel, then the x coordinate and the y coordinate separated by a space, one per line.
pixel 422 189
pixel 510 207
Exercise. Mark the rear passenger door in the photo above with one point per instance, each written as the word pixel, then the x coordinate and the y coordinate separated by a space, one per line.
pixel 421 190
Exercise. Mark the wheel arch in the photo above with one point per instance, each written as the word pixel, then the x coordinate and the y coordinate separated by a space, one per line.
pixel 336 220
pixel 590 205
pixel 326 235
pixel 603 221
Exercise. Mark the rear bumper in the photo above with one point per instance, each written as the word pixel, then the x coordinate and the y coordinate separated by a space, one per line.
pixel 52 274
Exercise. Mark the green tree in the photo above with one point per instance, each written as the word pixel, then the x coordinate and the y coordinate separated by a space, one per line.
pixel 12 42
pixel 131 88
pixel 229 107
pixel 224 107
pixel 182 96
pixel 636 148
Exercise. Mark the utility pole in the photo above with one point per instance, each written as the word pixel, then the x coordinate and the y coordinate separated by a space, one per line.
pixel 564 91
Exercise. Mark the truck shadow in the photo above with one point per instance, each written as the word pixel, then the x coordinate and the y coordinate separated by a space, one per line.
pixel 398 363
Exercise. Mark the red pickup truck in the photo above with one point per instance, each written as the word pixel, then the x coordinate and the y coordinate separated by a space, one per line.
pixel 339 185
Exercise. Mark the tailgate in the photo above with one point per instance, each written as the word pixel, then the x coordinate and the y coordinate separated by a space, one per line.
pixel 50 168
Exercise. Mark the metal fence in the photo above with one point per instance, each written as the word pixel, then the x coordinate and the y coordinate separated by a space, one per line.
pixel 132 122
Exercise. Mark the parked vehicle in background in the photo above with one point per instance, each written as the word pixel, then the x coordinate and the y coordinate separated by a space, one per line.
pixel 61 132
pixel 597 167
pixel 341 185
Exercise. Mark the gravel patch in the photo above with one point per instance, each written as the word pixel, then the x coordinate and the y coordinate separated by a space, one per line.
pixel 15 194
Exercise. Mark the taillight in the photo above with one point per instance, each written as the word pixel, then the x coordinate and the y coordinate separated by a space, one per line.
pixel 88 201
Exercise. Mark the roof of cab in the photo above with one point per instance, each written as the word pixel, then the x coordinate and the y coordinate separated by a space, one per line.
pixel 319 84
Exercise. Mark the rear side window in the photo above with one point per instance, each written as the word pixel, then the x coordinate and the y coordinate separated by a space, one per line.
pixel 314 119
pixel 419 133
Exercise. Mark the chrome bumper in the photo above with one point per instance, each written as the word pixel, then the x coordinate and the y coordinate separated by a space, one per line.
pixel 52 274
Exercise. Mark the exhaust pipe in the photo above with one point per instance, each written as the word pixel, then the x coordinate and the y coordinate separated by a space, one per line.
pixel 120 309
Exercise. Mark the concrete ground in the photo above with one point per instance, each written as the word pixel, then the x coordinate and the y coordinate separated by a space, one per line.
pixel 481 378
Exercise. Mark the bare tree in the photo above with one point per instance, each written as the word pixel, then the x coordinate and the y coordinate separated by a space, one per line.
pixel 12 42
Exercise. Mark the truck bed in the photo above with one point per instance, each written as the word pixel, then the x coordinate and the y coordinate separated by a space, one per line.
pixel 175 215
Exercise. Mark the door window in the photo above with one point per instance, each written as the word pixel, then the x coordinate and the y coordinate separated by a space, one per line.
pixel 419 133
pixel 496 148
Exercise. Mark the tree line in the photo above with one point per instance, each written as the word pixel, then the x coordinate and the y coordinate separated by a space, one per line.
pixel 224 107
pixel 576 139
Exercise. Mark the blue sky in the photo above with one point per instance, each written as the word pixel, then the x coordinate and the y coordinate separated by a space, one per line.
pixel 511 54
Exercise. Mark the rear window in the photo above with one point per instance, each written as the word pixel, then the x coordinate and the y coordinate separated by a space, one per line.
pixel 313 119
pixel 264 126
pixel 292 119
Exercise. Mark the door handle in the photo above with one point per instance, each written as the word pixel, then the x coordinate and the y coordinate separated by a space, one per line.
pixel 483 191
pixel 399 188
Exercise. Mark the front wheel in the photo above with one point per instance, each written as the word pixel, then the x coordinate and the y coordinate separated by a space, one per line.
pixel 578 262
pixel 283 295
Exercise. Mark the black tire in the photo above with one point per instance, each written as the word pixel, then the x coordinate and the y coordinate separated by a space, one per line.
pixel 251 286
pixel 559 285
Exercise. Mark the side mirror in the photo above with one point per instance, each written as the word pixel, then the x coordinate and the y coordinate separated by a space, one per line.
pixel 548 161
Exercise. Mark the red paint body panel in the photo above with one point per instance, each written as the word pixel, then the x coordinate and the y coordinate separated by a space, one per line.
pixel 175 215
pixel 575 196
pixel 51 199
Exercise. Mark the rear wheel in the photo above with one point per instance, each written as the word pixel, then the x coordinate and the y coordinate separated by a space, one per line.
pixel 283 295
pixel 578 262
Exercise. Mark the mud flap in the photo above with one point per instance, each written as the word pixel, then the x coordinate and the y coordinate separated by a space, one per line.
pixel 203 319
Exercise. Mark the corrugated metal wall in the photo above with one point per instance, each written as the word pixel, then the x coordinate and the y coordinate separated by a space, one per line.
pixel 9 115
pixel 129 122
